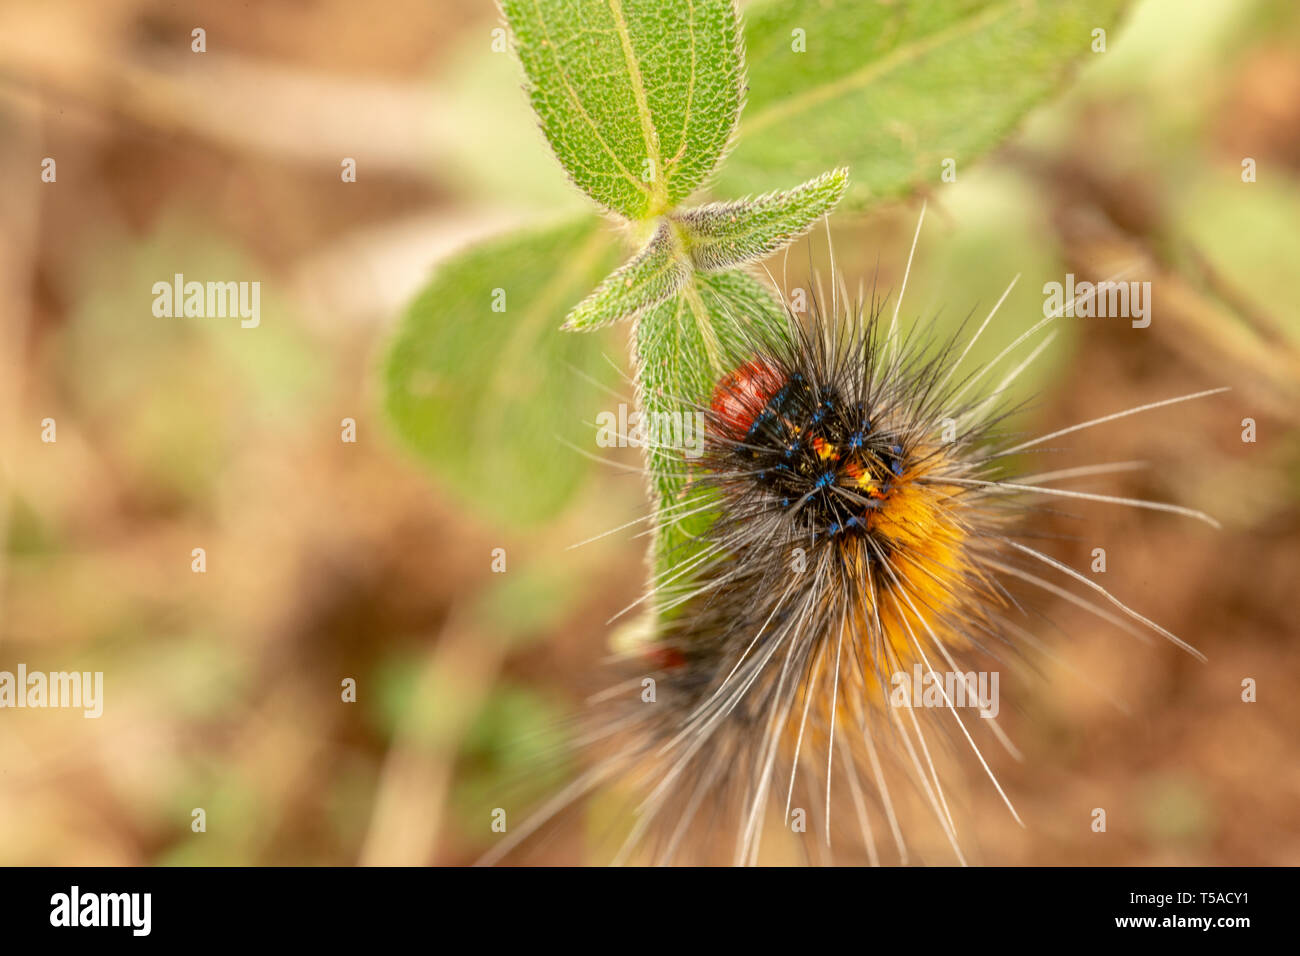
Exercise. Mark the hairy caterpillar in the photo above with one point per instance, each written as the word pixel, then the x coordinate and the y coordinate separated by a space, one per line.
pixel 871 521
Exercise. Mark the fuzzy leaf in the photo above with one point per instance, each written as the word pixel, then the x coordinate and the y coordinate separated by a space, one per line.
pixel 638 98
pixel 891 90
pixel 729 234
pixel 481 394
pixel 682 349
pixel 649 278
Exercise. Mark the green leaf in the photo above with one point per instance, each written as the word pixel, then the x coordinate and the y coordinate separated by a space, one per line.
pixel 891 90
pixel 726 235
pixel 708 238
pixel 638 98
pixel 682 349
pixel 649 278
pixel 486 396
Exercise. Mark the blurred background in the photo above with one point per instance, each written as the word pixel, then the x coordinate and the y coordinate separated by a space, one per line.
pixel 328 560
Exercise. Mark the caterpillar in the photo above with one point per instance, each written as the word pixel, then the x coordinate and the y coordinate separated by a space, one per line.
pixel 872 518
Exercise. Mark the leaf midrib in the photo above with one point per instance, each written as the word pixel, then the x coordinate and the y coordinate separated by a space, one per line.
pixel 897 58
pixel 582 110
pixel 529 324
pixel 657 195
